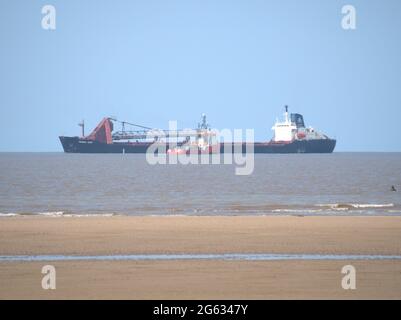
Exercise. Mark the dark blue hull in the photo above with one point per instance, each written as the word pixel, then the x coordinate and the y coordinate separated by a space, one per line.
pixel 77 145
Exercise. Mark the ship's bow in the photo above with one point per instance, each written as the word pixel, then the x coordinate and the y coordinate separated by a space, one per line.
pixel 70 144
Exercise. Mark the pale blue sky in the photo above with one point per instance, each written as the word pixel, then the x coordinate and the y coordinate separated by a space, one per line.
pixel 240 62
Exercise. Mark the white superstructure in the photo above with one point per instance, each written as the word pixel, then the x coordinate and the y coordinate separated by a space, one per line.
pixel 284 131
pixel 293 128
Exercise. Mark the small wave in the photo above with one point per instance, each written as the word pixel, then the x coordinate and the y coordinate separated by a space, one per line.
pixel 57 214
pixel 8 214
pixel 50 213
pixel 388 205
pixel 297 210
pixel 167 215
pixel 348 206
pixel 75 215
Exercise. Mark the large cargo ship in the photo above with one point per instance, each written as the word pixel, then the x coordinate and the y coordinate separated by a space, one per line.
pixel 290 136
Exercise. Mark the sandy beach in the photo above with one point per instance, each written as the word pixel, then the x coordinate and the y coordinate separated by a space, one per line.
pixel 200 279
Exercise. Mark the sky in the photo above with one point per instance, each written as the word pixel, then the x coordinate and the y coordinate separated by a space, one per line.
pixel 238 61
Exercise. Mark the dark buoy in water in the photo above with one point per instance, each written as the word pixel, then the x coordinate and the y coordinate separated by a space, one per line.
pixel 393 189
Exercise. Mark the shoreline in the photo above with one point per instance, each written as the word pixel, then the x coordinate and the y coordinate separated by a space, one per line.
pixel 61 214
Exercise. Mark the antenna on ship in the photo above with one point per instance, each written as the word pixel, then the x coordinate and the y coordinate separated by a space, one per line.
pixel 286 113
pixel 203 124
pixel 82 125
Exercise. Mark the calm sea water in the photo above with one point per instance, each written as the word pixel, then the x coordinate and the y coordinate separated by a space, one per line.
pixel 297 184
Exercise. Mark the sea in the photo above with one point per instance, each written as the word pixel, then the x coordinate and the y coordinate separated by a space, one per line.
pixel 84 185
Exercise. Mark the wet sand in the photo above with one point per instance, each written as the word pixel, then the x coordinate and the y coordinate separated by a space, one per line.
pixel 200 279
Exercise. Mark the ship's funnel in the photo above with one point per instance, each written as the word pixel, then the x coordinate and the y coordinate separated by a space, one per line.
pixel 298 119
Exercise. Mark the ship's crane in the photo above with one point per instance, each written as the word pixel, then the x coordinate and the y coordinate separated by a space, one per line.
pixel 203 130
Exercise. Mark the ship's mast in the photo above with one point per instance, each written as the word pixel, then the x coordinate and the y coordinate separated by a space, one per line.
pixel 82 125
pixel 287 120
pixel 203 124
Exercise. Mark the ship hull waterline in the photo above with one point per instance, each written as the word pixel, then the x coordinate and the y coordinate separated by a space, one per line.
pixel 79 145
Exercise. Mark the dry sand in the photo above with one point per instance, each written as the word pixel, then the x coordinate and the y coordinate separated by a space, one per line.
pixel 200 279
